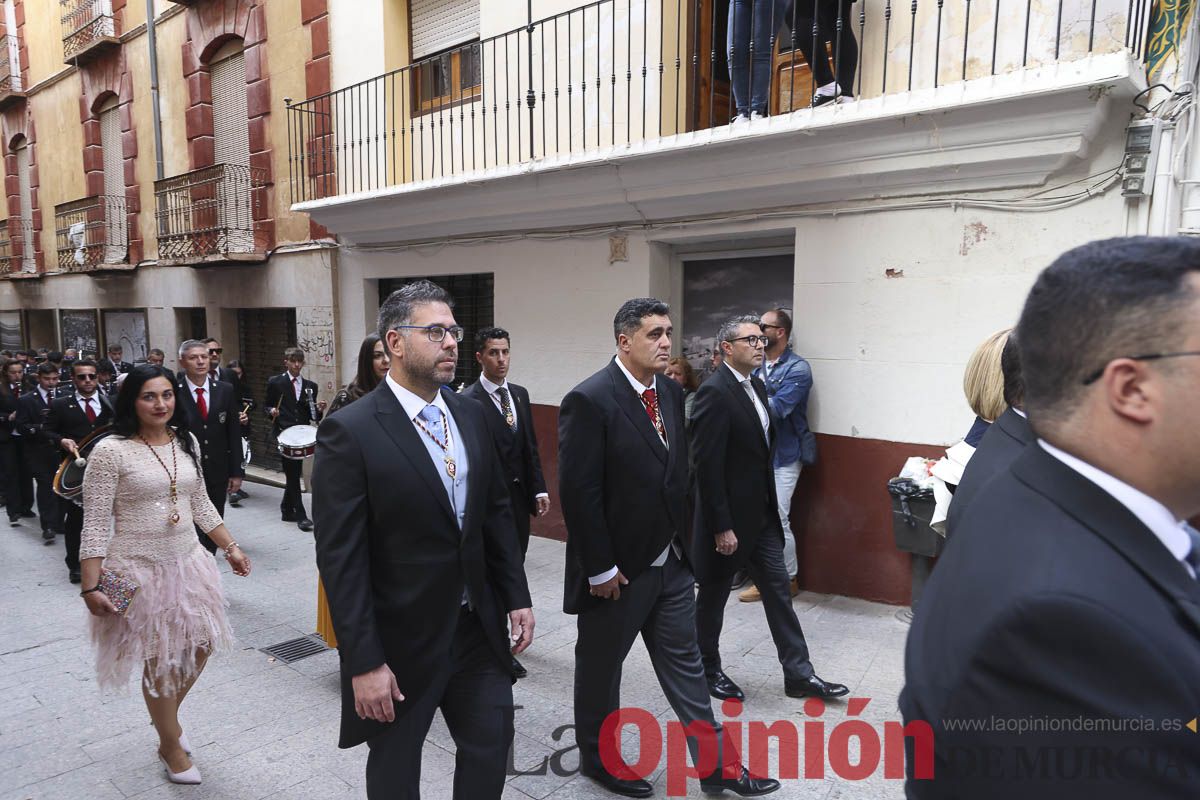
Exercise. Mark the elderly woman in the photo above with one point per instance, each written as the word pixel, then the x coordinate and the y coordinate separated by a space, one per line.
pixel 679 369
pixel 373 365
pixel 142 491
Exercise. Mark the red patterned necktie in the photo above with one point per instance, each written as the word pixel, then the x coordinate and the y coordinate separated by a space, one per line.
pixel 650 401
pixel 201 406
pixel 91 415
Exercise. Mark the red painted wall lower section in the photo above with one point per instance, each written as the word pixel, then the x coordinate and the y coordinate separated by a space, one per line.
pixel 841 515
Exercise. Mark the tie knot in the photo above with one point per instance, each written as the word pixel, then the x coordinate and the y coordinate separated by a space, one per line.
pixel 200 390
pixel 502 391
pixel 431 413
pixel 649 396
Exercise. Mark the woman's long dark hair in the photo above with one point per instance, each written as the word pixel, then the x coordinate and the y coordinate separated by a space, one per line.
pixel 365 380
pixel 125 421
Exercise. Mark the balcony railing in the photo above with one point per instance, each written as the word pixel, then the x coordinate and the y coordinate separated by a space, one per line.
pixel 615 72
pixel 91 232
pixel 6 249
pixel 209 215
pixel 17 248
pixel 88 27
pixel 10 74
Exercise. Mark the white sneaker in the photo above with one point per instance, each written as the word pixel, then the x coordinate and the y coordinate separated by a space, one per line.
pixel 757 116
pixel 739 121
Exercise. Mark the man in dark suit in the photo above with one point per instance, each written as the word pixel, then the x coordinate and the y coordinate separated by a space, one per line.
pixel 114 360
pixel 18 486
pixel 736 521
pixel 1003 442
pixel 292 400
pixel 40 456
pixel 507 411
pixel 622 462
pixel 1068 601
pixel 70 420
pixel 418 554
pixel 212 415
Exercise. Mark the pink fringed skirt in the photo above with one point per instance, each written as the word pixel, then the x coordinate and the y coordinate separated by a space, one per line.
pixel 177 614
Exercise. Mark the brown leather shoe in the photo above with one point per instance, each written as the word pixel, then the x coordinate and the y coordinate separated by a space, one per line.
pixel 794 586
pixel 751 595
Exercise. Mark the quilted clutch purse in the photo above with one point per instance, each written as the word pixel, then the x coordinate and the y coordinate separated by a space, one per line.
pixel 118 589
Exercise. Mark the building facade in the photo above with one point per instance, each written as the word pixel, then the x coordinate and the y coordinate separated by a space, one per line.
pixel 146 154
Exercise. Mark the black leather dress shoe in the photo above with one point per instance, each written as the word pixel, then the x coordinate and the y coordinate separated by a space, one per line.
pixel 75 577
pixel 740 579
pixel 722 687
pixel 14 519
pixel 628 785
pixel 518 669
pixel 745 786
pixel 287 516
pixel 305 524
pixel 813 687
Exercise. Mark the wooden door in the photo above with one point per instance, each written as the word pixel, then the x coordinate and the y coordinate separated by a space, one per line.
pixel 711 101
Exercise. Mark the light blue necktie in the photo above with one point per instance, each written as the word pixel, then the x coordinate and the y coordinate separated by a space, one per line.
pixel 433 420
pixel 1193 556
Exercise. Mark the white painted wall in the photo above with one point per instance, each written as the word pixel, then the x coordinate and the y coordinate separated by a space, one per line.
pixel 356 39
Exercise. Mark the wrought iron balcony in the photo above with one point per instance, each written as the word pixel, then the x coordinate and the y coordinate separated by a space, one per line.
pixel 92 234
pixel 17 249
pixel 614 73
pixel 89 29
pixel 208 215
pixel 11 88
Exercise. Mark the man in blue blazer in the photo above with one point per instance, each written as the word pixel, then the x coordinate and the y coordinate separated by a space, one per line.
pixel 788 379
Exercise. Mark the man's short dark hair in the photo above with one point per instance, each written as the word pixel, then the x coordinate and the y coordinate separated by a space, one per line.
pixel 293 354
pixel 1104 300
pixel 154 351
pixel 209 340
pixel 83 362
pixel 397 309
pixel 730 326
pixel 116 348
pixel 1010 365
pixel 631 313
pixel 485 335
pixel 105 368
pixel 783 319
pixel 55 355
pixel 46 368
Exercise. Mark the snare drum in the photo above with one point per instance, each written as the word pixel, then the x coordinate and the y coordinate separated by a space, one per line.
pixel 298 442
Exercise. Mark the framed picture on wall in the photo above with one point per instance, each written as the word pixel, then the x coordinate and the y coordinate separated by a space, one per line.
pixel 127 328
pixel 11 337
pixel 81 330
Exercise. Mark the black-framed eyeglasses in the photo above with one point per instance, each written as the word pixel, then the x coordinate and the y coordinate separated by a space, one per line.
pixel 753 341
pixel 437 333
pixel 1095 376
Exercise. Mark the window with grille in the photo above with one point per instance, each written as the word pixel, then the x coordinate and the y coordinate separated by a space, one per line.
pixel 474 308
pixel 445 53
pixel 112 218
pixel 25 194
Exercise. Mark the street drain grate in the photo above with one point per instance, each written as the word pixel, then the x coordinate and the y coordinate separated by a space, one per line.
pixel 296 649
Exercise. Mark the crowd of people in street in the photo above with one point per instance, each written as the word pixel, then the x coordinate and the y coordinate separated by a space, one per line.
pixel 1067 587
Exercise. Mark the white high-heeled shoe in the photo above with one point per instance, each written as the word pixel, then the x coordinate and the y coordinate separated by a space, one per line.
pixel 190 776
pixel 184 743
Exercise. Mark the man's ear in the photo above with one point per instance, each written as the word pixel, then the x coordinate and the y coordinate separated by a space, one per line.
pixel 1131 389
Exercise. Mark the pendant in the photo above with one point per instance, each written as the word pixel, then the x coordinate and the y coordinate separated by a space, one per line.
pixel 174 518
pixel 451 467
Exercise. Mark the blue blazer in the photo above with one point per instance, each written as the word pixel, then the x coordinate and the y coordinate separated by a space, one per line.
pixel 788 386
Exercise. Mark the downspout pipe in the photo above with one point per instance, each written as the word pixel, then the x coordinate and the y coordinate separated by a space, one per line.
pixel 158 138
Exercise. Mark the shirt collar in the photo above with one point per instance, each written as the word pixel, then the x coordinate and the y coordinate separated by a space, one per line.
pixel 194 386
pixel 44 394
pixel 740 377
pixel 492 387
pixel 411 403
pixel 1019 412
pixel 1153 514
pixel 637 385
pixel 80 398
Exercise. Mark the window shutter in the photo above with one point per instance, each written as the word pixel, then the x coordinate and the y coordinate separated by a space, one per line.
pixel 231 130
pixel 28 263
pixel 114 186
pixel 439 24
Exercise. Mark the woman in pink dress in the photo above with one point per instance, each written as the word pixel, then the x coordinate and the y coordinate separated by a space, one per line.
pixel 143 495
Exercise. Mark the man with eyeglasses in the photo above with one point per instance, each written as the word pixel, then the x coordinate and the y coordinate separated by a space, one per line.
pixel 70 420
pixel 736 524
pixel 1069 593
pixel 292 400
pixel 788 379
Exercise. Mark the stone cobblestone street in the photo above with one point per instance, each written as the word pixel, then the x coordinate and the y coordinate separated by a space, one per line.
pixel 265 729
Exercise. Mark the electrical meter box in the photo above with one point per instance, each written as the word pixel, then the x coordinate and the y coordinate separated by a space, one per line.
pixel 1141 157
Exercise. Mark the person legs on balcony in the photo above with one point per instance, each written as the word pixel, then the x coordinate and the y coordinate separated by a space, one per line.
pixel 753 25
pixel 812 44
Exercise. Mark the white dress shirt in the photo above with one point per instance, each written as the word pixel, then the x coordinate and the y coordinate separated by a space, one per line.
pixel 764 419
pixel 639 387
pixel 94 401
pixel 491 389
pixel 1153 514
pixel 207 392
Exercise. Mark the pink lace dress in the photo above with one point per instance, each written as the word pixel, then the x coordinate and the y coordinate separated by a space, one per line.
pixel 179 608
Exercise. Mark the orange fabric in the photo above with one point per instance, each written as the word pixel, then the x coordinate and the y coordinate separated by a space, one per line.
pixel 324 621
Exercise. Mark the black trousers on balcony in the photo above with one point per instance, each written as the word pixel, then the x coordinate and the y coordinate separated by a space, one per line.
pixel 845 46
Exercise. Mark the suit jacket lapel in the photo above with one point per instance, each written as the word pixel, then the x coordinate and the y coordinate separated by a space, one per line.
pixel 742 401
pixel 1016 427
pixel 631 404
pixel 1112 522
pixel 760 389
pixel 400 430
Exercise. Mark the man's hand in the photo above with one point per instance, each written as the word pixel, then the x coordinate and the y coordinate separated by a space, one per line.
pixel 272 412
pixel 374 693
pixel 543 505
pixel 321 406
pixel 244 418
pixel 520 626
pixel 611 588
pixel 726 543
pixel 235 485
pixel 68 445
